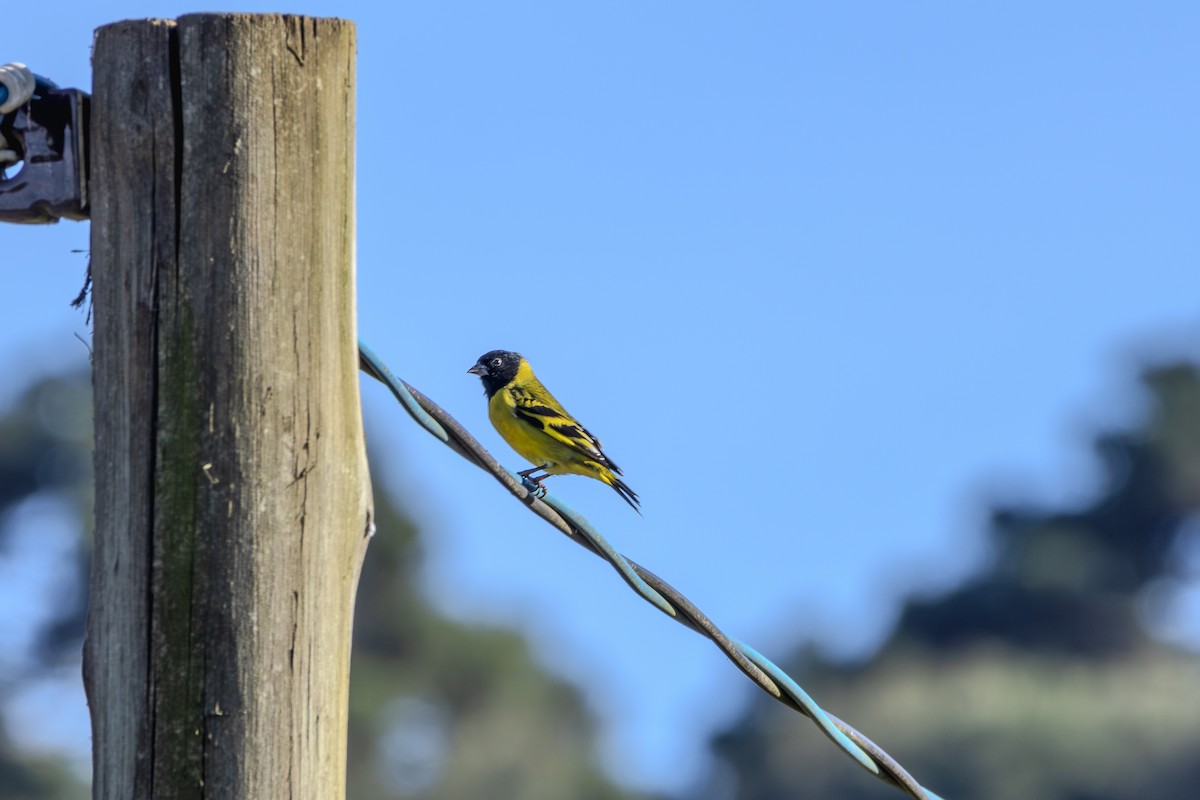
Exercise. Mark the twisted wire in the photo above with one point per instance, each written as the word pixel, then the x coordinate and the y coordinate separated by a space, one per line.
pixel 656 591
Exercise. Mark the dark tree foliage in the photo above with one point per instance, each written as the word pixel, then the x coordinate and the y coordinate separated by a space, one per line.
pixel 45 455
pixel 1037 677
pixel 449 710
pixel 1063 581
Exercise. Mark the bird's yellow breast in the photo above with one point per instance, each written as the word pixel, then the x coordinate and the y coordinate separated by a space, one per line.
pixel 519 435
pixel 531 443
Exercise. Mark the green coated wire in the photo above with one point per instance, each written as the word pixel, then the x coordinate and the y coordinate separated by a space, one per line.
pixel 373 366
pixel 605 550
pixel 811 709
pixel 769 677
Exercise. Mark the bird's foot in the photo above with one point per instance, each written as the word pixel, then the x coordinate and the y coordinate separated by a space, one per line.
pixel 534 484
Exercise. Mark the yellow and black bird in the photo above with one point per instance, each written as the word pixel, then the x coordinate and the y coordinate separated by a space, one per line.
pixel 539 428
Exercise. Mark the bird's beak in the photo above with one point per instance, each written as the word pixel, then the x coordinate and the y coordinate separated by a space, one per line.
pixel 478 369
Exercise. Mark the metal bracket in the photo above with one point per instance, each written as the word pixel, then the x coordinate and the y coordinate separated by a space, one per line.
pixel 49 134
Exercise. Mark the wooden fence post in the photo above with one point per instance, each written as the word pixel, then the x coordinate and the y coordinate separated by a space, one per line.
pixel 233 503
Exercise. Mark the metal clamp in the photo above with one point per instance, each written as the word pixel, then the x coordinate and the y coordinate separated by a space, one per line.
pixel 48 136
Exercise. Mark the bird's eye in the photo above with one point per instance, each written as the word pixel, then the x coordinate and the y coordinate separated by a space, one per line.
pixel 497 362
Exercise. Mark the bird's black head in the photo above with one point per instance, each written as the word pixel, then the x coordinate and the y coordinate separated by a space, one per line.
pixel 496 369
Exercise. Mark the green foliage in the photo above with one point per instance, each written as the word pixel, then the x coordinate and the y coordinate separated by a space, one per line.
pixel 448 710
pixel 1037 678
pixel 45 455
pixel 26 777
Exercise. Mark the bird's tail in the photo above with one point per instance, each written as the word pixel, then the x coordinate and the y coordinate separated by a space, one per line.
pixel 620 487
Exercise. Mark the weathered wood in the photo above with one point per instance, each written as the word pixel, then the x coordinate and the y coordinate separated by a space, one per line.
pixel 233 504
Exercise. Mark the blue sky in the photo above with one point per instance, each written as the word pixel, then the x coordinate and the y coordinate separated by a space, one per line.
pixel 827 280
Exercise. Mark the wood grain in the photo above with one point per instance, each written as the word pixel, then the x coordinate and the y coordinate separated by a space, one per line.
pixel 233 501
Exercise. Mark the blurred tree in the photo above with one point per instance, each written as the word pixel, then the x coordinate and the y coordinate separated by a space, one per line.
pixel 1037 678
pixel 453 711
pixel 45 472
pixel 439 709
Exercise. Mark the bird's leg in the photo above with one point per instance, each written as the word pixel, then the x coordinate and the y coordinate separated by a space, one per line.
pixel 527 474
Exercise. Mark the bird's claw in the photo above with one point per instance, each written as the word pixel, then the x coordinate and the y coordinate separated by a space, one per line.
pixel 534 487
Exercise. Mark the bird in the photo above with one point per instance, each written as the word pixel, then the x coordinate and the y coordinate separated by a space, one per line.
pixel 536 425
